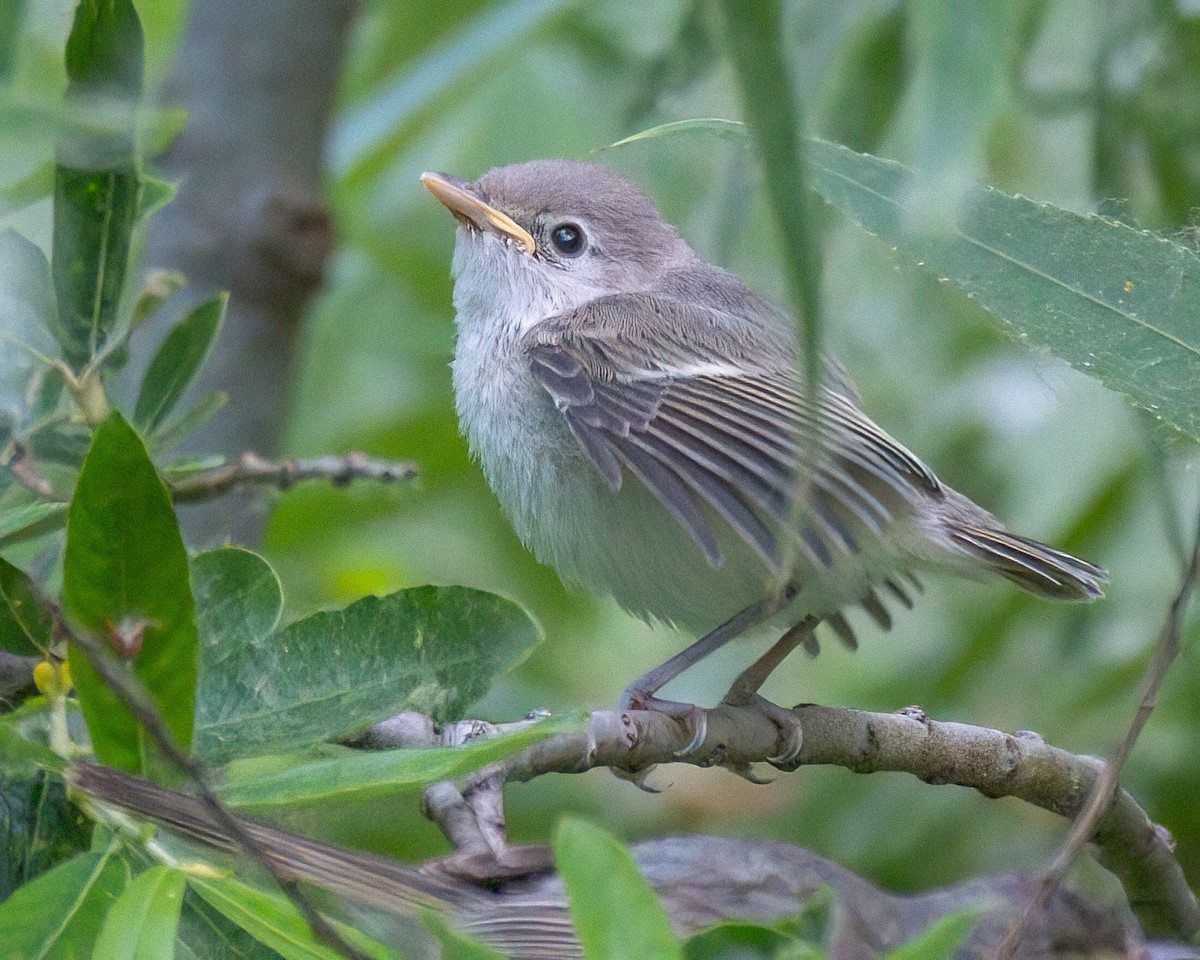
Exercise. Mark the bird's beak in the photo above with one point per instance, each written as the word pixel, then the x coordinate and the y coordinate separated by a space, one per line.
pixel 462 201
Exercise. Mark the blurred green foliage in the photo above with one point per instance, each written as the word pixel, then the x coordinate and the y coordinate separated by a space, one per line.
pixel 1080 108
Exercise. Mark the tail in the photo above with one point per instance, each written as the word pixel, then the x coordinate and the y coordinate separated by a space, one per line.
pixel 1031 565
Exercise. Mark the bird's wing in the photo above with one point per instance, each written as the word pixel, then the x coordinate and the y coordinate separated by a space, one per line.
pixel 730 434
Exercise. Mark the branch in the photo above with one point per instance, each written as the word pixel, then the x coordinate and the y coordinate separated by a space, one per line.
pixel 996 764
pixel 1102 793
pixel 252 470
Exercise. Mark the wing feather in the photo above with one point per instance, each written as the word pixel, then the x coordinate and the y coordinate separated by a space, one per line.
pixel 722 436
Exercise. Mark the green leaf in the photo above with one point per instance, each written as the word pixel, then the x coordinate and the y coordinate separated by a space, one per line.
pixel 179 428
pixel 1117 303
pixel 746 942
pixel 455 944
pixel 25 626
pixel 713 126
pixel 239 600
pixel 772 109
pixel 141 925
pixel 342 774
pixel 433 649
pixel 205 934
pixel 21 756
pixel 41 827
pixel 155 195
pixel 274 921
pixel 20 193
pixel 125 568
pixel 940 940
pixel 599 873
pixel 104 50
pixel 963 54
pixel 177 362
pixel 27 314
pixel 96 180
pixel 56 916
pixel 32 520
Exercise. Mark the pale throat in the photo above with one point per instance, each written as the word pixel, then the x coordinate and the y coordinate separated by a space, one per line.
pixel 503 289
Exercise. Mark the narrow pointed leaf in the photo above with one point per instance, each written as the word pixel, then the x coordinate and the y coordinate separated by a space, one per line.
pixel 1117 303
pixel 57 915
pixel 177 362
pixel 600 873
pixel 32 520
pixel 275 922
pixel 773 113
pixel 125 569
pixel 141 925
pixel 343 774
pixel 96 181
pixel 177 429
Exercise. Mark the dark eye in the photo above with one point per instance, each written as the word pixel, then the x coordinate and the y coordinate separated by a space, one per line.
pixel 568 239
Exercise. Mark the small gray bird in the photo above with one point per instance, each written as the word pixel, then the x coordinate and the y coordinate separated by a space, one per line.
pixel 640 416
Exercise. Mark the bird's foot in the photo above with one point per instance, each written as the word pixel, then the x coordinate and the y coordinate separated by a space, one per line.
pixel 791 734
pixel 693 718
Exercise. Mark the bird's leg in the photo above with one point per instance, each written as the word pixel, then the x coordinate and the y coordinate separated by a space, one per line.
pixel 744 690
pixel 640 695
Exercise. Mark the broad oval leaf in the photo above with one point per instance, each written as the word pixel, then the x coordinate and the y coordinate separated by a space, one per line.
pixel 600 873
pixel 58 914
pixel 141 925
pixel 433 649
pixel 125 571
pixel 239 600
pixel 177 362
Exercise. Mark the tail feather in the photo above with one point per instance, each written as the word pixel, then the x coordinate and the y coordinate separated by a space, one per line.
pixel 1032 565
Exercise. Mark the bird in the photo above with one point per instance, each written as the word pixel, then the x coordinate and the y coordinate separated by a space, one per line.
pixel 642 419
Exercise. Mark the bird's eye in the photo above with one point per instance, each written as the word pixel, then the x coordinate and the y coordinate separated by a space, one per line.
pixel 568 239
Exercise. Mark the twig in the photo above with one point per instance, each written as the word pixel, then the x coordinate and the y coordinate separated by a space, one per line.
pixel 1090 817
pixel 252 470
pixel 133 696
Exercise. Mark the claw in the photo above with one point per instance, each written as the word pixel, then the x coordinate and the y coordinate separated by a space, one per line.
pixel 637 777
pixel 746 772
pixel 790 731
pixel 698 721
